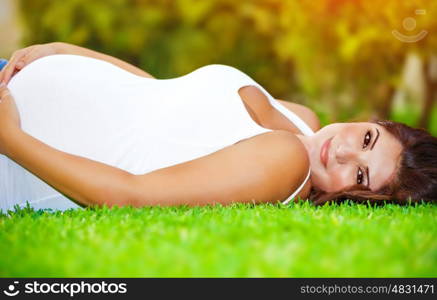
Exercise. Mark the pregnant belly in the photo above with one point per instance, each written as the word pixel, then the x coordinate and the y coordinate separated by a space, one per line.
pixel 80 105
pixel 93 109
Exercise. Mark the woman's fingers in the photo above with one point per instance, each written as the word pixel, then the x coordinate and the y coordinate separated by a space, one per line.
pixel 21 63
pixel 10 69
pixel 4 92
pixel 28 58
pixel 9 115
pixel 2 72
pixel 19 60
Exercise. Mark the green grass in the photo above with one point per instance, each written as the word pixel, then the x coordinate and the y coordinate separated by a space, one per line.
pixel 297 240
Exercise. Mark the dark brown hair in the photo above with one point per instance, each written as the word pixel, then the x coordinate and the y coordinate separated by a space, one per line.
pixel 416 176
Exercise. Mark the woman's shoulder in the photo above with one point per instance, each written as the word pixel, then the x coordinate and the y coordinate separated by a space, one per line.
pixel 285 145
pixel 279 142
pixel 295 156
pixel 273 164
pixel 287 159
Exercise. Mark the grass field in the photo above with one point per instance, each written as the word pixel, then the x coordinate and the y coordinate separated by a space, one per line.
pixel 296 240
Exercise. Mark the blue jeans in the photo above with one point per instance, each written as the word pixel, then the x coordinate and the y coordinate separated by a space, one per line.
pixel 3 63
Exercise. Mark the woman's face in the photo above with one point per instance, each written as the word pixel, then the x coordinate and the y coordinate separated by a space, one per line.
pixel 345 154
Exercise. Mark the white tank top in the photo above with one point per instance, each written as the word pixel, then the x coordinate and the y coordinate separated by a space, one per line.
pixel 91 108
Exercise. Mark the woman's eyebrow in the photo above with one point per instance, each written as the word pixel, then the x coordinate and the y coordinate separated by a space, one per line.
pixel 374 142
pixel 371 147
pixel 368 179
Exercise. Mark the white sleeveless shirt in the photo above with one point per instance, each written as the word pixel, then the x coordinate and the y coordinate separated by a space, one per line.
pixel 91 108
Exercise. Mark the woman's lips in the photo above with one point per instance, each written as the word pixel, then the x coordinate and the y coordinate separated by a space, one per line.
pixel 324 151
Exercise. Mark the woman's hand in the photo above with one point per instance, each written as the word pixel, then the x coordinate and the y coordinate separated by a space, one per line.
pixel 9 118
pixel 25 56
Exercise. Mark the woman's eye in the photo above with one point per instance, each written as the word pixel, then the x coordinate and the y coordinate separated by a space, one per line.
pixel 367 139
pixel 359 176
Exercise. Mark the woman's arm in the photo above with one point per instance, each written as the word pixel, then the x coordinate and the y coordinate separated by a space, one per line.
pixel 304 112
pixel 265 168
pixel 261 169
pixel 266 115
pixel 65 48
pixel 25 56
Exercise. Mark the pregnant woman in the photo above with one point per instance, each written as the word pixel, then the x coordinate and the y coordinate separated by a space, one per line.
pixel 81 128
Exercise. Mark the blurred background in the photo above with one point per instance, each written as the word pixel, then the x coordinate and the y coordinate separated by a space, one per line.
pixel 349 60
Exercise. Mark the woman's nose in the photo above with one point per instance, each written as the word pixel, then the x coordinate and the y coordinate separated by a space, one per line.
pixel 344 153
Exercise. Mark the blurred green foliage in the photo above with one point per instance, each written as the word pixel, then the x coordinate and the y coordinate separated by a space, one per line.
pixel 338 56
